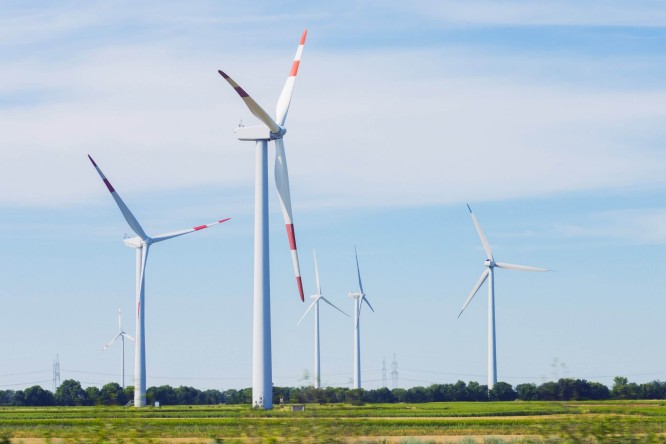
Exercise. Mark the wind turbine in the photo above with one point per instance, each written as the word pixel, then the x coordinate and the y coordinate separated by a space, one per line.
pixel 122 335
pixel 489 273
pixel 315 303
pixel 262 378
pixel 359 297
pixel 141 242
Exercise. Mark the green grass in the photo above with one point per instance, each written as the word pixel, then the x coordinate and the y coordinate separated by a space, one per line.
pixel 593 422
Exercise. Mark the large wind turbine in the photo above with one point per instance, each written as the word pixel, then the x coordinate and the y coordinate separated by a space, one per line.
pixel 142 243
pixel 489 273
pixel 316 298
pixel 262 378
pixel 122 335
pixel 359 297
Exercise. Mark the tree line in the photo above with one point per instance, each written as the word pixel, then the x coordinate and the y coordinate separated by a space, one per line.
pixel 70 393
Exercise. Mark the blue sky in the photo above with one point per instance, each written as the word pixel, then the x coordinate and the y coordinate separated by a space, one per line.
pixel 547 117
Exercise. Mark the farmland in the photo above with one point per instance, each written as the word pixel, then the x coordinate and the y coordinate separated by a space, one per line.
pixel 609 421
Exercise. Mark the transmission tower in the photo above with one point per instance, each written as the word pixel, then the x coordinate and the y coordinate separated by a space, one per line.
pixel 56 373
pixel 394 372
pixel 384 372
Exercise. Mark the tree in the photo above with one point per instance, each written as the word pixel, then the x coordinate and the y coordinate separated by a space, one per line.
pixel 92 393
pixel 70 393
pixel 477 392
pixel 623 389
pixel 112 394
pixel 502 391
pixel 417 394
pixel 37 396
pixel 19 398
pixel 548 391
pixel 6 397
pixel 526 392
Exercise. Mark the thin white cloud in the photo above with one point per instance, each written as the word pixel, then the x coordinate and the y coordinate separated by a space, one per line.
pixel 543 12
pixel 385 133
pixel 642 225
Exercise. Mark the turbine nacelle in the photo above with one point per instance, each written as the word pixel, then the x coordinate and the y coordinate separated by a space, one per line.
pixel 490 263
pixel 258 132
pixel 356 294
pixel 135 242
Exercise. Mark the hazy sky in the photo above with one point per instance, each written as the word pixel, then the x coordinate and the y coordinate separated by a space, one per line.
pixel 546 117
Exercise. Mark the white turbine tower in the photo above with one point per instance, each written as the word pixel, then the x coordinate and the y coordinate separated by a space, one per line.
pixel 316 298
pixel 359 297
pixel 489 273
pixel 262 378
pixel 141 243
pixel 122 335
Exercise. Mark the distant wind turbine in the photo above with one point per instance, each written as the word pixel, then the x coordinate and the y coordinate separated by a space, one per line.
pixel 315 304
pixel 489 273
pixel 122 335
pixel 359 297
pixel 141 243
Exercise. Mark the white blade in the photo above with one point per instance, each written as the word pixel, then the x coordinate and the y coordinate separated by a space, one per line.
pixel 308 310
pixel 365 299
pixel 358 271
pixel 120 328
pixel 128 336
pixel 254 107
pixel 171 235
pixel 317 273
pixel 484 241
pixel 478 285
pixel 331 304
pixel 282 183
pixel 288 89
pixel 519 267
pixel 144 258
pixel 112 341
pixel 129 217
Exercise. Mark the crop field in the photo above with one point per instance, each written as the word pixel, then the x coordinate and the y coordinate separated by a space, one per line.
pixel 464 422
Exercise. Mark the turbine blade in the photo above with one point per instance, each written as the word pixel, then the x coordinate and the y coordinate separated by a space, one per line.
pixel 120 328
pixel 288 89
pixel 365 299
pixel 484 241
pixel 282 183
pixel 254 107
pixel 162 237
pixel 519 267
pixel 317 273
pixel 129 217
pixel 308 310
pixel 128 336
pixel 108 344
pixel 331 304
pixel 478 285
pixel 358 271
pixel 142 282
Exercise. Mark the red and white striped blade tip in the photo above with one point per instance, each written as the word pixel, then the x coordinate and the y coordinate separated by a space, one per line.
pixel 300 288
pixel 201 227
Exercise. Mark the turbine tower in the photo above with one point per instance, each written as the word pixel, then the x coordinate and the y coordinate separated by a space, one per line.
pixel 489 273
pixel 122 335
pixel 359 297
pixel 262 378
pixel 316 298
pixel 141 243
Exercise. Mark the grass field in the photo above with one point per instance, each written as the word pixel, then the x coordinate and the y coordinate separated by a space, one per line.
pixel 600 422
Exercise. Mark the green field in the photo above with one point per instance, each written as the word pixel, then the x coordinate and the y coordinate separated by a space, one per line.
pixel 602 422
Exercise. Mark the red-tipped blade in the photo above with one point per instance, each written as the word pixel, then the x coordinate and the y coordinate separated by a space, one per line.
pixel 288 89
pixel 253 106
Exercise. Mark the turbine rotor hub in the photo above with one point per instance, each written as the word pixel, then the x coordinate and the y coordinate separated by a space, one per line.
pixel 490 263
